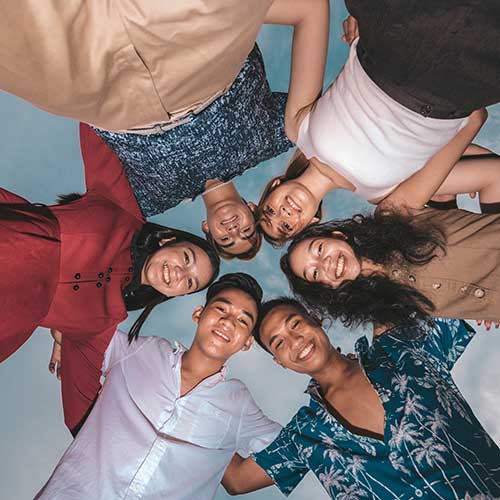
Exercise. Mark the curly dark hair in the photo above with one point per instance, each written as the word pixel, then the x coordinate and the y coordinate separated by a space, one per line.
pixel 384 238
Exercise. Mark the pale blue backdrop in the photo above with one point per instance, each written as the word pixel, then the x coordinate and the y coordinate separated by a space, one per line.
pixel 40 158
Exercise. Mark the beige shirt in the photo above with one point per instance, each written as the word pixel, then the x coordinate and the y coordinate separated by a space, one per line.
pixel 122 64
pixel 464 283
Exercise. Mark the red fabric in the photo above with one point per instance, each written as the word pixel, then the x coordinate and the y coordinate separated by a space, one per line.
pixel 75 285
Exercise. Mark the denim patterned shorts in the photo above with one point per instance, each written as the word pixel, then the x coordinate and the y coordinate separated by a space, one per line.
pixel 240 129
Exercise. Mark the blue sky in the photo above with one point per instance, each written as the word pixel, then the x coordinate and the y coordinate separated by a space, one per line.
pixel 40 159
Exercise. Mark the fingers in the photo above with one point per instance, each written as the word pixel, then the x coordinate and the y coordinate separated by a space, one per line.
pixel 351 30
pixel 488 324
pixel 472 195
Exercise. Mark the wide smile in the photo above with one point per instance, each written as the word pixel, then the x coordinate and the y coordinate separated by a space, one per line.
pixel 230 220
pixel 306 352
pixel 221 335
pixel 293 204
pixel 340 267
pixel 166 274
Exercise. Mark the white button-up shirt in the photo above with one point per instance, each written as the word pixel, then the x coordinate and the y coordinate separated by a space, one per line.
pixel 143 440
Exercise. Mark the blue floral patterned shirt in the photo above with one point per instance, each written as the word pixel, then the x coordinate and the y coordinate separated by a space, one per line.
pixel 433 447
pixel 240 129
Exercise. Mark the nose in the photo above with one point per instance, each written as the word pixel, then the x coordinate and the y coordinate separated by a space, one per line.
pixel 179 273
pixel 233 228
pixel 226 323
pixel 327 263
pixel 285 211
pixel 296 339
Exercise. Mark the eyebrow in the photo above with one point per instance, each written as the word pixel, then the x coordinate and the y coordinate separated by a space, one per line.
pixel 273 338
pixel 245 238
pixel 309 248
pixel 228 302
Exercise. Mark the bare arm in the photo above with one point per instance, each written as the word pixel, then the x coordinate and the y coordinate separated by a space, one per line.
pixel 311 21
pixel 421 186
pixel 243 475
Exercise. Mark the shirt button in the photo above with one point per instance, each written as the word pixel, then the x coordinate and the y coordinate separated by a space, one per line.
pixel 127 278
pixel 463 289
pixel 479 293
pixel 77 276
pixel 130 269
pixel 412 278
pixel 100 275
pixel 76 287
pixel 418 493
pixel 426 110
pixel 436 286
pixel 110 269
pixel 395 273
pixel 98 284
pixel 108 279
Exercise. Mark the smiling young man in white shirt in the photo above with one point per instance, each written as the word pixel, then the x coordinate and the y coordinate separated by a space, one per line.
pixel 167 422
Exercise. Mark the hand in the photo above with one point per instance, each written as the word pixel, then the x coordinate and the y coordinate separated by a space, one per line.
pixel 488 324
pixel 351 30
pixel 55 358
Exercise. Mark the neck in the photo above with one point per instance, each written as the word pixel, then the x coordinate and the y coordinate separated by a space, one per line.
pixel 197 366
pixel 217 191
pixel 316 182
pixel 334 371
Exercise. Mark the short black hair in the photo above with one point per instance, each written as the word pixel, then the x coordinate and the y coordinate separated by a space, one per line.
pixel 269 305
pixel 238 281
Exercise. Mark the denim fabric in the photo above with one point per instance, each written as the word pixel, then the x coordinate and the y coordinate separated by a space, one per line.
pixel 440 58
pixel 237 131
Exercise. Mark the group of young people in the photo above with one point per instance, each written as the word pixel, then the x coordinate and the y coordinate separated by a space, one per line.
pixel 174 102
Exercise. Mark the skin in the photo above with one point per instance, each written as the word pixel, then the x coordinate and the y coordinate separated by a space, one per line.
pixel 225 326
pixel 177 269
pixel 230 219
pixel 329 261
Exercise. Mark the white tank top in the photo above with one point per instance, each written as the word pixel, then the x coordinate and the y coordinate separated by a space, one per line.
pixel 368 137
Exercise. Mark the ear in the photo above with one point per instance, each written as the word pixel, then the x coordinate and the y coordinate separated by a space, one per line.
pixel 164 241
pixel 252 206
pixel 339 234
pixel 197 314
pixel 204 227
pixel 276 182
pixel 248 343
pixel 314 220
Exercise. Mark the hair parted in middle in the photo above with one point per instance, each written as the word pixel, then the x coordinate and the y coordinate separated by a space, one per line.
pixel 385 238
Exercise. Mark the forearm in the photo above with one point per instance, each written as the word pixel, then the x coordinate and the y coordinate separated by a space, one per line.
pixel 311 21
pixel 421 186
pixel 244 476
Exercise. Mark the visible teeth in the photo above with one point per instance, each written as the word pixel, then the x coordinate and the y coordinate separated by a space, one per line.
pixel 339 269
pixel 221 335
pixel 166 273
pixel 293 204
pixel 305 352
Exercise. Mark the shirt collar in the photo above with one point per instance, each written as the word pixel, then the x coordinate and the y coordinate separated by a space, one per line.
pixel 211 381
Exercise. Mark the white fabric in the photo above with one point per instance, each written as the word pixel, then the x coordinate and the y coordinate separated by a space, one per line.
pixel 143 441
pixel 368 137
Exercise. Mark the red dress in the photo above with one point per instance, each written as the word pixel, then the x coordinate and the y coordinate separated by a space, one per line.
pixel 69 274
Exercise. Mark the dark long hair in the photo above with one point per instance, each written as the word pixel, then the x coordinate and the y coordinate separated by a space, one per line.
pixel 297 165
pixel 146 243
pixel 385 238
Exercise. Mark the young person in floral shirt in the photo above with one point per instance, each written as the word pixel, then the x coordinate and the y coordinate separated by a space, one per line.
pixel 390 424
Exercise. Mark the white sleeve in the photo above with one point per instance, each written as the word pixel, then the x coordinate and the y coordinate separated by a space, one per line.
pixel 118 349
pixel 257 431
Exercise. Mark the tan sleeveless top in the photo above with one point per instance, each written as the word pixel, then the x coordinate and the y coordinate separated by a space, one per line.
pixel 121 64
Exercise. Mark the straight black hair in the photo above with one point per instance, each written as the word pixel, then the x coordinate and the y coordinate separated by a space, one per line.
pixel 147 243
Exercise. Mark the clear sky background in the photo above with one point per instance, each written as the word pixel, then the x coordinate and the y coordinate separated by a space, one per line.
pixel 40 158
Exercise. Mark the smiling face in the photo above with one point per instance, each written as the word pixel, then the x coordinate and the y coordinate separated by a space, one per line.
pixel 177 268
pixel 287 210
pixel 232 225
pixel 294 341
pixel 329 261
pixel 225 324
